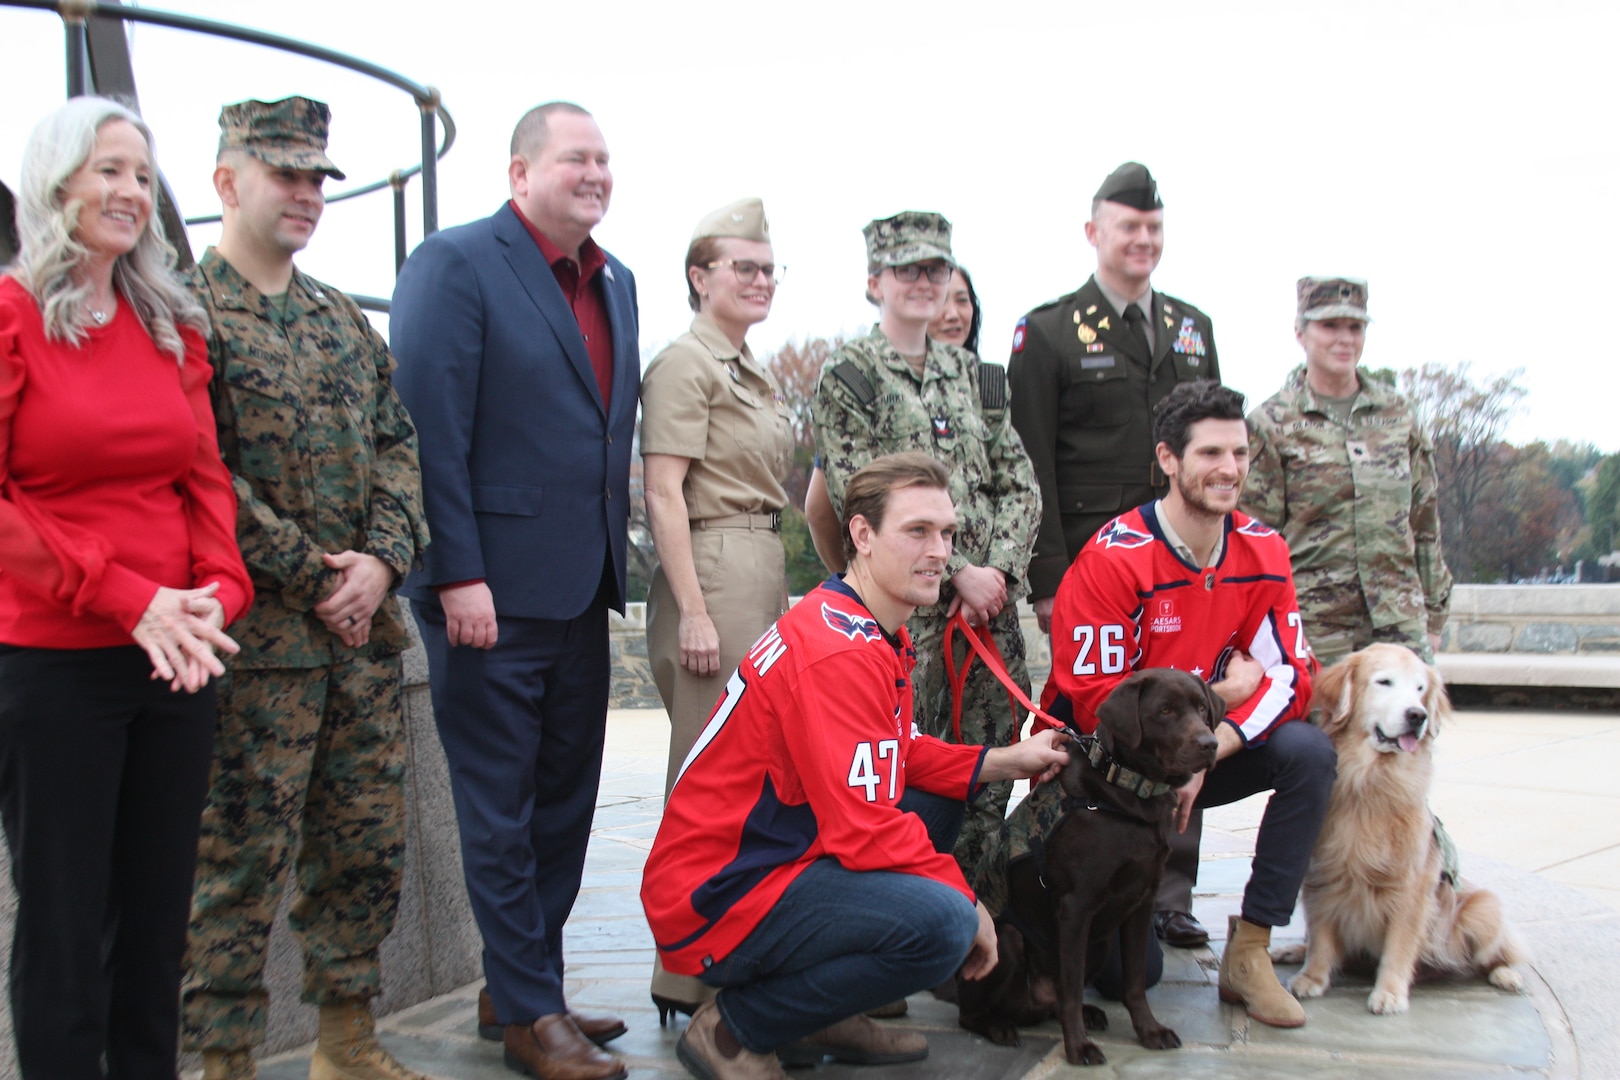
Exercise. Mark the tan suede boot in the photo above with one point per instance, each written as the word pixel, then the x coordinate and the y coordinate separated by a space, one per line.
pixel 1248 980
pixel 347 1047
pixel 701 1055
pixel 856 1041
pixel 229 1065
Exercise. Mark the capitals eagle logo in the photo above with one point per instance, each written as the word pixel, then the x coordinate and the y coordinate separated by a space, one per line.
pixel 850 625
pixel 1118 534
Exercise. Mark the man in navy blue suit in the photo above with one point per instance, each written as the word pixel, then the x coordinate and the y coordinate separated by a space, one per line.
pixel 516 338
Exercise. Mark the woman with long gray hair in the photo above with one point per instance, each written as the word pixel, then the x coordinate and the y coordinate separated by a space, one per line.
pixel 118 573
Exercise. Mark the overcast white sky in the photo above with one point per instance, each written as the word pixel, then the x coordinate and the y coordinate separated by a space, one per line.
pixel 1461 156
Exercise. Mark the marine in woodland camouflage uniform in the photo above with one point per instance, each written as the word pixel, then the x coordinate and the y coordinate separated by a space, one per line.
pixel 870 402
pixel 311 739
pixel 1350 483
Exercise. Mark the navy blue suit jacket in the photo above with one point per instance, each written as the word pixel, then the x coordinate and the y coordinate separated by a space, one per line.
pixel 525 476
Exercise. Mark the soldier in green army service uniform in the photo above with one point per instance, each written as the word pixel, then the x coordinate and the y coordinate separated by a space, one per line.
pixel 1340 466
pixel 896 389
pixel 310 749
pixel 1085 373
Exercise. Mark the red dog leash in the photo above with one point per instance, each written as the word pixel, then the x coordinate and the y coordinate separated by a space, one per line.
pixel 983 644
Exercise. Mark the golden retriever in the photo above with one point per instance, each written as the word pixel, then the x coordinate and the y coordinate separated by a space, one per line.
pixel 1375 891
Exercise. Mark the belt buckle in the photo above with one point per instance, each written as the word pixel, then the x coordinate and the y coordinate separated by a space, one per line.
pixel 776 521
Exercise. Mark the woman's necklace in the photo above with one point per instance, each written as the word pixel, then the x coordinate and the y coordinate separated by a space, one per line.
pixel 100 313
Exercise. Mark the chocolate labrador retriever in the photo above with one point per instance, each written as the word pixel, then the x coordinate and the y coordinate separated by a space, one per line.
pixel 1079 861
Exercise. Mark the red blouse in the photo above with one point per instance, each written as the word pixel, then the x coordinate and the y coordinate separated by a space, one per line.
pixel 111 482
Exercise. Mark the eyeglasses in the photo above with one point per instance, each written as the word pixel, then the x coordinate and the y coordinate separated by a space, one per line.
pixel 938 273
pixel 747 271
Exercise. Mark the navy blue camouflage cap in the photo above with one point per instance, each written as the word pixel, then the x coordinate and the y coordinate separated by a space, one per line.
pixel 910 237
pixel 1332 298
pixel 1131 185
pixel 289 134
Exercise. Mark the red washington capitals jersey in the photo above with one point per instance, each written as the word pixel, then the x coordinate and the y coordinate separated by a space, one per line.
pixel 804 757
pixel 1129 602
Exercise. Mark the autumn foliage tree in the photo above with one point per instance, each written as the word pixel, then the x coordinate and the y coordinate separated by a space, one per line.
pixel 797 367
pixel 1504 514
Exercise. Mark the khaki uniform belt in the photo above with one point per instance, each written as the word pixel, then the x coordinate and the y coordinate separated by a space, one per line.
pixel 771 521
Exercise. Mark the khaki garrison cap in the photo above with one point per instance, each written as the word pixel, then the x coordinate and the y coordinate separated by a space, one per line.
pixel 1332 298
pixel 288 134
pixel 741 220
pixel 912 237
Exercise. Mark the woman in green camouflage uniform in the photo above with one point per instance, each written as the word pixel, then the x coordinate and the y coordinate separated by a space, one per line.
pixel 897 389
pixel 1340 466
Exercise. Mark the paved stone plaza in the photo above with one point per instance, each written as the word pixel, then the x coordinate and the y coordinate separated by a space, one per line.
pixel 1530 799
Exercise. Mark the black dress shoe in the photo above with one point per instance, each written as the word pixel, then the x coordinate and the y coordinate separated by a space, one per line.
pixel 1179 929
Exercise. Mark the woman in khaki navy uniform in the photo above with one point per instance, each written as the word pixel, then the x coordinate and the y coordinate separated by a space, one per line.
pixel 716 446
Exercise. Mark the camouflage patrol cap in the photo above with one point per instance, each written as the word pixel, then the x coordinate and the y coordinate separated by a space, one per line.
pixel 1131 185
pixel 289 134
pixel 1332 298
pixel 741 220
pixel 912 237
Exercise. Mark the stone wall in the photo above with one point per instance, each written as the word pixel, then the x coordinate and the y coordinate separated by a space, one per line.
pixel 1567 620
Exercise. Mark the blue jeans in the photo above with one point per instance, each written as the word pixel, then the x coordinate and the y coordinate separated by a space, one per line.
pixel 840 942
pixel 1297 765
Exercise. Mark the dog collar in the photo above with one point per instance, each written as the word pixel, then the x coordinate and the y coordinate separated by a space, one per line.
pixel 1119 775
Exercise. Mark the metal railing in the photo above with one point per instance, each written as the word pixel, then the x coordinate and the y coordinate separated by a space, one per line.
pixel 97 54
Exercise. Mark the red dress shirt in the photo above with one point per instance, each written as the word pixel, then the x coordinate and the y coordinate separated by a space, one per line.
pixel 585 299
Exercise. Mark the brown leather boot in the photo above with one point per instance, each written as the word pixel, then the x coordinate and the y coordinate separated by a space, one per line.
pixel 553 1048
pixel 229 1065
pixel 703 1058
pixel 599 1029
pixel 347 1047
pixel 1247 977
pixel 857 1041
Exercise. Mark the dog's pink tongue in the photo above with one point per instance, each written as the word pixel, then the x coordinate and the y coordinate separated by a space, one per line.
pixel 1407 743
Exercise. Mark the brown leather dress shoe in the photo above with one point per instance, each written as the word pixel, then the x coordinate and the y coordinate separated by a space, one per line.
pixel 553 1048
pixel 599 1029
pixel 1179 929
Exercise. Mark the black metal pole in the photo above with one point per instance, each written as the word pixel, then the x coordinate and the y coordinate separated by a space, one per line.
pixel 430 163
pixel 397 182
pixel 77 50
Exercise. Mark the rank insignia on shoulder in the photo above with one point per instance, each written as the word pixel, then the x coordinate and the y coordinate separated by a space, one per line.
pixel 1102 323
pixel 1086 334
pixel 1018 336
pixel 1092 310
pixel 1189 342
